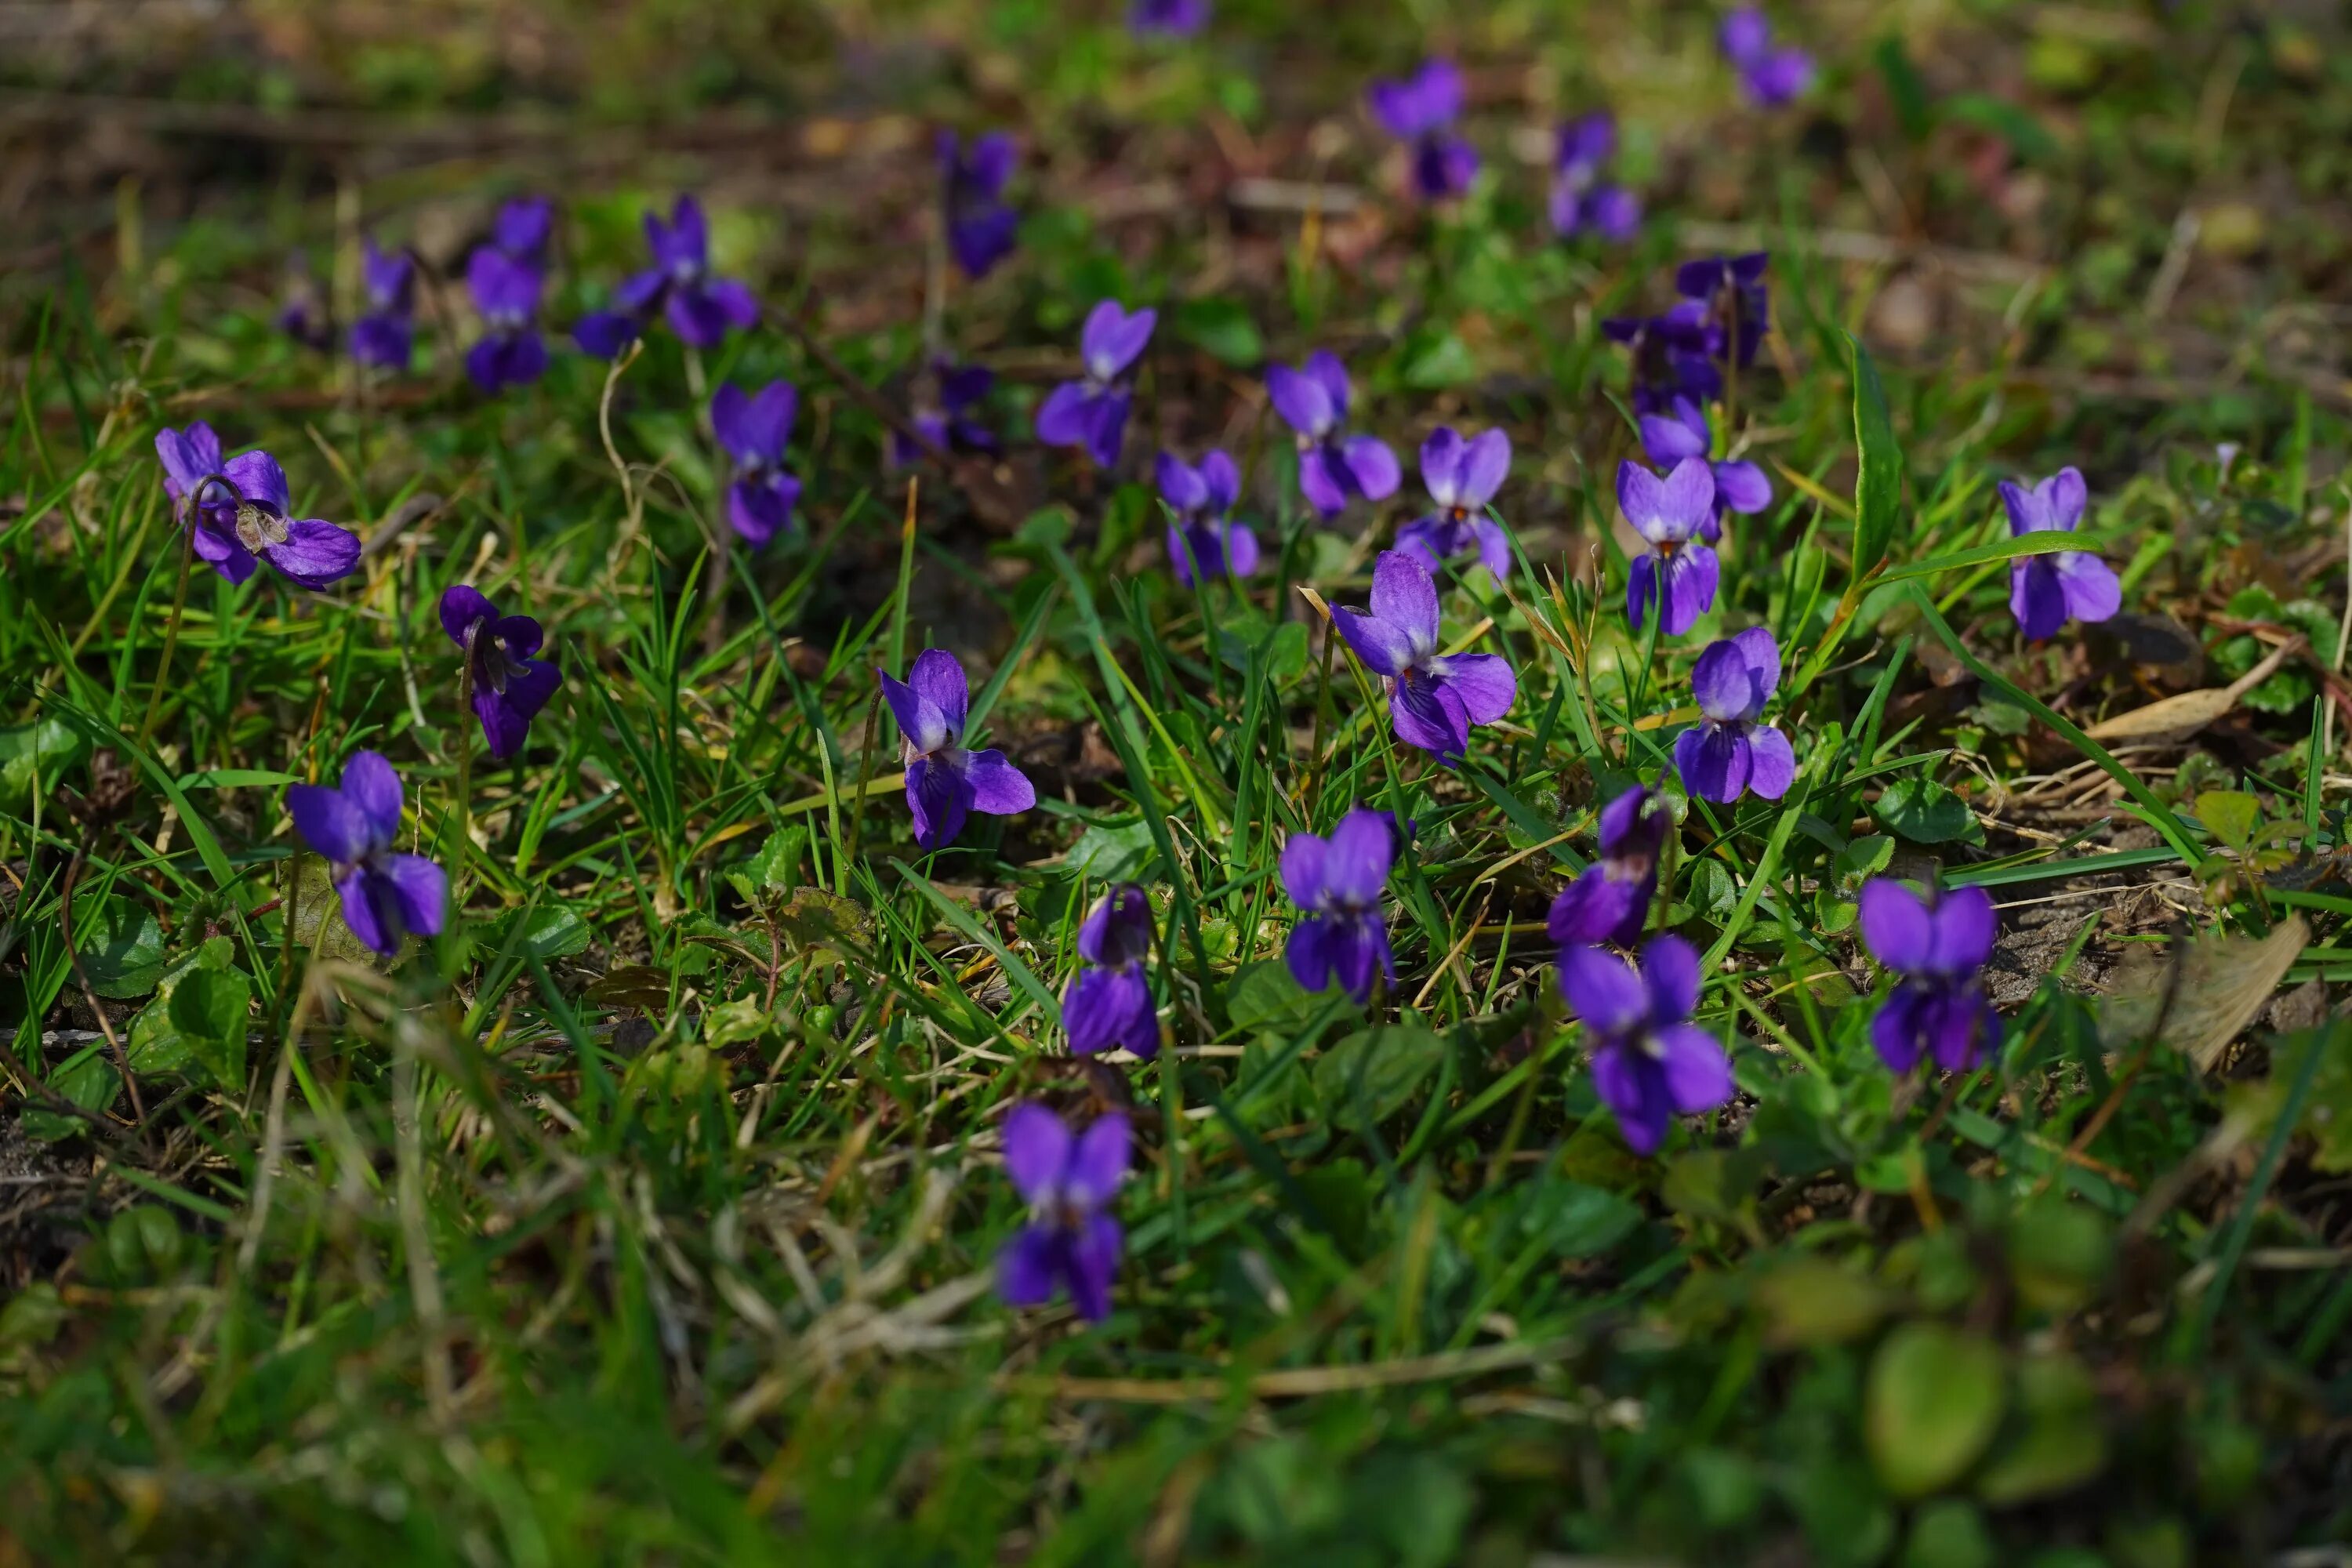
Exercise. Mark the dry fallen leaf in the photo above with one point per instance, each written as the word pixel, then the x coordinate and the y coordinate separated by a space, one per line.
pixel 2221 985
pixel 2187 715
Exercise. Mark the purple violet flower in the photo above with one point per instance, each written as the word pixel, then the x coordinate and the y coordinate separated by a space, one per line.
pixel 1067 1179
pixel 1332 465
pixel 1678 572
pixel 701 308
pixel 944 781
pixel 1731 750
pixel 1770 77
pixel 384 336
pixel 509 686
pixel 1610 900
pixel 1670 355
pixel 387 896
pixel 1461 477
pixel 943 395
pixel 509 352
pixel 304 316
pixel 1337 884
pixel 1110 1001
pixel 1650 1064
pixel 1940 945
pixel 1581 202
pixel 1091 412
pixel 1682 432
pixel 751 430
pixel 2045 590
pixel 522 229
pixel 1726 302
pixel 1168 18
pixel 1203 540
pixel 237 510
pixel 1434 699
pixel 980 225
pixel 1420 110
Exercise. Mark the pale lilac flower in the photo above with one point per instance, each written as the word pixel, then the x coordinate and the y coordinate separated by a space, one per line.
pixel 384 337
pixel 1462 477
pixel 701 308
pixel 510 352
pixel 1067 1179
pixel 1649 1063
pixel 1610 899
pixel 1333 466
pixel 1678 571
pixel 1682 432
pixel 1337 885
pixel 944 781
pixel 2044 591
pixel 1731 750
pixel 1091 412
pixel 1581 201
pixel 509 686
pixel 1939 944
pixel 237 510
pixel 387 896
pixel 752 431
pixel 1420 110
pixel 1203 541
pixel 1434 699
pixel 1770 77
pixel 1110 1001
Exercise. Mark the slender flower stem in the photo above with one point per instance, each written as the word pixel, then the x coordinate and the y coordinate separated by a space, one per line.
pixel 171 633
pixel 857 801
pixel 462 806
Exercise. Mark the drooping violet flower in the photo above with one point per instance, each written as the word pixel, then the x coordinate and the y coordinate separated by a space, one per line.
pixel 1434 699
pixel 1728 303
pixel 1461 477
pixel 980 225
pixel 943 398
pixel 1670 357
pixel 1678 572
pixel 304 316
pixel 944 782
pixel 1940 945
pixel 384 337
pixel 509 352
pixel 1649 1063
pixel 237 510
pixel 1110 1001
pixel 1203 541
pixel 1610 899
pixel 2045 590
pixel 1337 884
pixel 522 228
pixel 1091 412
pixel 1581 201
pixel 1067 1179
pixel 510 687
pixel 387 896
pixel 1333 466
pixel 752 431
pixel 1770 77
pixel 1731 750
pixel 1682 432
pixel 1420 110
pixel 1168 18
pixel 701 308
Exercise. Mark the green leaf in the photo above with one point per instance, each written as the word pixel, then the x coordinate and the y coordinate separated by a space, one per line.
pixel 1222 329
pixel 2230 816
pixel 729 1022
pixel 88 1080
pixel 122 945
pixel 1435 358
pixel 1810 1300
pixel 208 1011
pixel 813 918
pixel 1108 852
pixel 1418 1505
pixel 1575 1219
pixel 43 750
pixel 308 885
pixel 2059 1255
pixel 1924 812
pixel 154 1044
pixel 774 868
pixel 2063 1442
pixel 1933 1399
pixel 1265 996
pixel 1878 479
pixel 1368 1075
